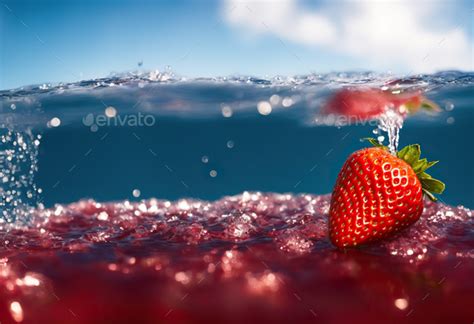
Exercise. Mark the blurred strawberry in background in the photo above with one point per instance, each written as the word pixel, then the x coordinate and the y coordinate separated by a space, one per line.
pixel 368 103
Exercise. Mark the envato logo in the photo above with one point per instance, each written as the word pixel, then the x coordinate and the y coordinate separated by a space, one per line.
pixel 342 120
pixel 111 119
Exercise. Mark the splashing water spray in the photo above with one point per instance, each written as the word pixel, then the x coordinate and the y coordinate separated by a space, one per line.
pixel 390 122
pixel 19 194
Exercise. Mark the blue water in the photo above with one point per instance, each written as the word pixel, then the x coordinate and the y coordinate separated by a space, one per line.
pixel 284 151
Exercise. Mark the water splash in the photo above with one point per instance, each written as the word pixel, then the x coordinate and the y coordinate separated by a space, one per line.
pixel 19 163
pixel 391 122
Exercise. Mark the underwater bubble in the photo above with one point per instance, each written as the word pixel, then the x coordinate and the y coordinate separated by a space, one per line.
pixel 275 100
pixel 226 111
pixel 264 108
pixel 213 173
pixel 54 122
pixel 136 193
pixel 205 159
pixel 449 106
pixel 401 303
pixel 16 311
pixel 110 112
pixel 103 216
pixel 287 102
pixel 450 120
pixel 230 144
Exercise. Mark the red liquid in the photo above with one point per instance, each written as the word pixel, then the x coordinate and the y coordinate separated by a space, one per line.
pixel 253 257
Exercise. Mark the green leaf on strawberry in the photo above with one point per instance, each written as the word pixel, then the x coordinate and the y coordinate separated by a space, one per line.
pixel 410 154
pixel 430 106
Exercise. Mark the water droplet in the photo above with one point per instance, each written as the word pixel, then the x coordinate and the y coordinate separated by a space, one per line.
pixel 54 122
pixel 226 111
pixel 287 102
pixel 401 303
pixel 449 106
pixel 103 216
pixel 275 100
pixel 16 311
pixel 110 112
pixel 264 108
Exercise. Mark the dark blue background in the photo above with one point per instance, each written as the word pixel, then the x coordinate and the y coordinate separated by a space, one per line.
pixel 271 153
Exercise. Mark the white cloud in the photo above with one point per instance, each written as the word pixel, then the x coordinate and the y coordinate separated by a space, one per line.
pixel 389 35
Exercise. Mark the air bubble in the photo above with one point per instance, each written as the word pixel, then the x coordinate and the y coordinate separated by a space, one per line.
pixel 136 193
pixel 110 112
pixel 275 100
pixel 264 108
pixel 449 106
pixel 54 122
pixel 287 102
pixel 226 111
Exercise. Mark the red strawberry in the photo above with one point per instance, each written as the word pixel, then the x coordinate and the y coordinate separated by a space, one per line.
pixel 369 103
pixel 378 194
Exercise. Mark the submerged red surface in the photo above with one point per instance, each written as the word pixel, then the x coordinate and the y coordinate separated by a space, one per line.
pixel 252 257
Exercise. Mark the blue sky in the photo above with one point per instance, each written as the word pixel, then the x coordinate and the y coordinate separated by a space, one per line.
pixel 54 41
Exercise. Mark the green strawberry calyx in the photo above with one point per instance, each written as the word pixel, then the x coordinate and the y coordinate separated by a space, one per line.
pixel 430 106
pixel 411 155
